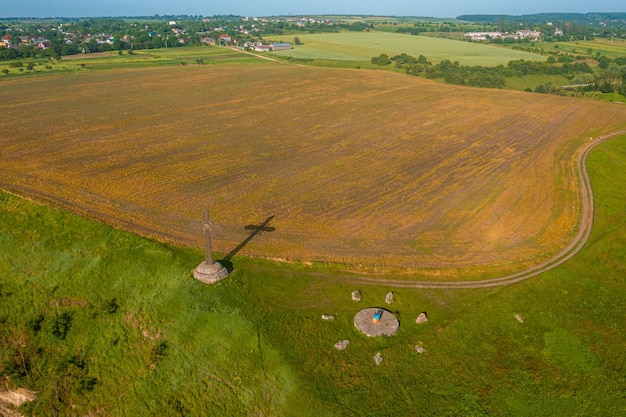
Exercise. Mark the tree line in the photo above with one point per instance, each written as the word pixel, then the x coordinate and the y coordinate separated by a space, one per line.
pixel 610 76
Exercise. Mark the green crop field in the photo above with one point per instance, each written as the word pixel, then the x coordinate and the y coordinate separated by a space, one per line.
pixel 532 81
pixel 362 46
pixel 612 48
pixel 96 321
pixel 138 59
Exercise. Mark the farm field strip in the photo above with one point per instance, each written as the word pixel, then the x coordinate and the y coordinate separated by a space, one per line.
pixel 362 46
pixel 359 167
pixel 611 48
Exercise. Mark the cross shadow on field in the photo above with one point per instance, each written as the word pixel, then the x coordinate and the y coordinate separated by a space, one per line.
pixel 254 230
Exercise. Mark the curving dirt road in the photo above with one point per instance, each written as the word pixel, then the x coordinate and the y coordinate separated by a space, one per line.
pixel 570 250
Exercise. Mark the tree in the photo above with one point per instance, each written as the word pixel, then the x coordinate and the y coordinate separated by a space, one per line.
pixel 582 79
pixel 382 60
pixel 297 41
pixel 611 79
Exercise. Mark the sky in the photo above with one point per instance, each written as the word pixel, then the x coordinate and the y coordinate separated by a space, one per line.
pixel 429 8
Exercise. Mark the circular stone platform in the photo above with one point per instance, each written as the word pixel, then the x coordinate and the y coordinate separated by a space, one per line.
pixel 210 274
pixel 387 325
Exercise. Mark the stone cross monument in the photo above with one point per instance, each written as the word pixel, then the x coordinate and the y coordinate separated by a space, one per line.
pixel 209 271
pixel 206 228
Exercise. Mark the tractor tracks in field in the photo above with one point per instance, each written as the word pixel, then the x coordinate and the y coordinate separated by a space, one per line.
pixel 568 252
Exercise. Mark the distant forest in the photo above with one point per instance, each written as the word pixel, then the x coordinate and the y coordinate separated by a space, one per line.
pixel 608 19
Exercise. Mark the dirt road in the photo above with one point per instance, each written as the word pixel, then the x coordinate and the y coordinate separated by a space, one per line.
pixel 569 251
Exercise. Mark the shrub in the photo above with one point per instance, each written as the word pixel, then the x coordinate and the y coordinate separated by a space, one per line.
pixel 34 324
pixel 382 59
pixel 61 324
pixel 157 352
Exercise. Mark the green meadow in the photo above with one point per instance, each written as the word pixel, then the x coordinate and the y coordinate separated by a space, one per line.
pixel 362 46
pixel 203 55
pixel 611 48
pixel 98 321
pixel 532 81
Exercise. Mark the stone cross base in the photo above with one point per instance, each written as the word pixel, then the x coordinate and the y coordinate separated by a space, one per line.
pixel 210 274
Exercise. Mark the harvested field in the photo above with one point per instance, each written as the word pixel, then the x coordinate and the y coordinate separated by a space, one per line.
pixel 360 167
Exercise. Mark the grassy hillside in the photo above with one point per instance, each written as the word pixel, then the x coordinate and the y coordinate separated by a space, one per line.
pixel 359 167
pixel 362 46
pixel 101 322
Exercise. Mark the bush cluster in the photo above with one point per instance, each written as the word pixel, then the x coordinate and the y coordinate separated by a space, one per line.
pixel 610 77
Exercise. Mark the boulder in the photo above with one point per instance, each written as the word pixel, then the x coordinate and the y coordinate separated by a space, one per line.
pixel 342 344
pixel 422 318
pixel 389 298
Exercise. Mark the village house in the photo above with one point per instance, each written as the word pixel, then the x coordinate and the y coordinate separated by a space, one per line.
pixel 224 39
pixel 520 34
pixel 43 44
pixel 483 36
pixel 105 39
pixel 38 41
pixel 529 34
pixel 259 47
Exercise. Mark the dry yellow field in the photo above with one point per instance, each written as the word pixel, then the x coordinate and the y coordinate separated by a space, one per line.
pixel 360 167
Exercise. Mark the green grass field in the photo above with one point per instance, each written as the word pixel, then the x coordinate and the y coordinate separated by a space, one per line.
pixel 532 81
pixel 102 322
pixel 138 59
pixel 362 46
pixel 612 48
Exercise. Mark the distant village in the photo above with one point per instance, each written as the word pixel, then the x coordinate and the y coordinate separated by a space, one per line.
pixel 531 35
pixel 244 34
pixel 519 35
pixel 59 37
